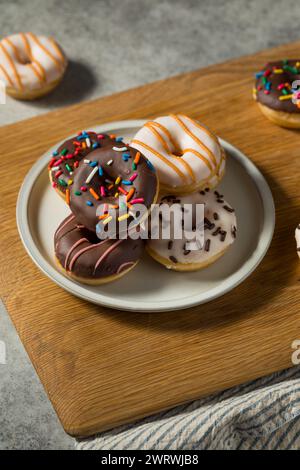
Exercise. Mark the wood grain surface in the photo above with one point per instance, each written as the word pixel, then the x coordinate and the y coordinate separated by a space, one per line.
pixel 102 367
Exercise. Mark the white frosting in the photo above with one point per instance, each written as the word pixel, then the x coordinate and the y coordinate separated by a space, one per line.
pixel 224 219
pixel 201 156
pixel 28 62
pixel 297 236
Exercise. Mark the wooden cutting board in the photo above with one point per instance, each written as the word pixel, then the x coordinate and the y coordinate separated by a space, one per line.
pixel 102 367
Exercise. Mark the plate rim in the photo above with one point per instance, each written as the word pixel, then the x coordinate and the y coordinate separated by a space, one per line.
pixel 80 290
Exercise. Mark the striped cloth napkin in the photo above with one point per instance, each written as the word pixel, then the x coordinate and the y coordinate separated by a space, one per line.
pixel 263 414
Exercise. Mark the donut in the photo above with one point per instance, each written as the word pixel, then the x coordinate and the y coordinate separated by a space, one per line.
pixel 297 236
pixel 186 155
pixel 66 158
pixel 220 229
pixel 275 95
pixel 108 173
pixel 30 66
pixel 83 257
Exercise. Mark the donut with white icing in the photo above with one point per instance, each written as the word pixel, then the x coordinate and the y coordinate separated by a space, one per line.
pixel 186 155
pixel 83 257
pixel 297 236
pixel 30 66
pixel 220 230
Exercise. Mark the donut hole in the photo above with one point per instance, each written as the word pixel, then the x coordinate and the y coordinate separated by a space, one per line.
pixel 24 59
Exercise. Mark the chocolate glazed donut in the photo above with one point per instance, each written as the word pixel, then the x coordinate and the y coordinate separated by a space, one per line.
pixel 85 258
pixel 110 172
pixel 66 158
pixel 273 87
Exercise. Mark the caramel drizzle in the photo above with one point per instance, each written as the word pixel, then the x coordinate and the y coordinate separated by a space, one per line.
pixel 195 138
pixel 13 67
pixel 149 125
pixel 160 156
pixel 212 136
pixel 42 73
pixel 49 54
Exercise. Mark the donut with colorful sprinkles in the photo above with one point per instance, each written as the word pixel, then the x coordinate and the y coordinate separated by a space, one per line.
pixel 65 160
pixel 85 258
pixel 277 92
pixel 109 173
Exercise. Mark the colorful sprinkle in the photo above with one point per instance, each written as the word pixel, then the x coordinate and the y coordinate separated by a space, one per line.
pixel 83 188
pixel 102 189
pixel 123 217
pixel 68 168
pixel 94 194
pixel 118 179
pixel 93 164
pixel 86 161
pixel 64 152
pixel 100 171
pixel 109 162
pixel 138 200
pixel 91 175
pixel 89 203
pixel 137 158
pixel 96 145
pixel 68 197
pixel 55 153
pixel 122 191
pixel 149 164
pixel 106 220
pixel 51 163
pixel 58 173
pixel 119 139
pixel 128 183
pixel 70 182
pixel 62 182
pixel 119 149
pixel 285 97
pixel 100 136
pixel 77 193
pixel 130 194
pixel 133 177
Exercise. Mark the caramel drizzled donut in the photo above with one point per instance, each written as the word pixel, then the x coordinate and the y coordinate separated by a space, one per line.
pixel 82 256
pixel 65 160
pixel 30 66
pixel 186 155
pixel 108 173
pixel 274 92
pixel 220 229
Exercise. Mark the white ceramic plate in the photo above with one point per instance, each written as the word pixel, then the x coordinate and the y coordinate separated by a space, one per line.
pixel 150 287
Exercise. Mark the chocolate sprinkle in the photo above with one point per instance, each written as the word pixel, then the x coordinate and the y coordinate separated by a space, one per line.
pixel 220 201
pixel 207 245
pixel 223 234
pixel 233 231
pixel 216 217
pixel 216 231
pixel 173 259
pixel 186 252
pixel 229 209
pixel 202 192
pixel 170 244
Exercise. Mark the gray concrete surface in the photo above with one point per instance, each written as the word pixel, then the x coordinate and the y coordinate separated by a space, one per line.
pixel 113 45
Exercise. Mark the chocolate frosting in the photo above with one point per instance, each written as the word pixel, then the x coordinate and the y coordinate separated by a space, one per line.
pixel 70 153
pixel 114 173
pixel 274 83
pixel 80 251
